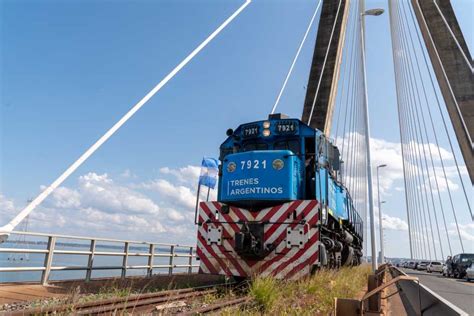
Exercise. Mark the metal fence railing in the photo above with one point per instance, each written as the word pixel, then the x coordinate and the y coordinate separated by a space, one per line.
pixel 155 257
pixel 422 300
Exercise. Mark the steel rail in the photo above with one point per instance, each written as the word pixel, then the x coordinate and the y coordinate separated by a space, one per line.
pixel 123 303
pixel 218 306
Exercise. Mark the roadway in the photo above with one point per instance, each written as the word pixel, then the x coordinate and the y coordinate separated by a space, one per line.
pixel 458 292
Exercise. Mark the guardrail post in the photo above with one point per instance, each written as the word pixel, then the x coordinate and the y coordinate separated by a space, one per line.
pixel 125 261
pixel 190 268
pixel 373 303
pixel 150 260
pixel 170 271
pixel 48 260
pixel 90 261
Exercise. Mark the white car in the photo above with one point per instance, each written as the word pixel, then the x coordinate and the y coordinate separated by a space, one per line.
pixel 435 266
pixel 470 273
pixel 422 265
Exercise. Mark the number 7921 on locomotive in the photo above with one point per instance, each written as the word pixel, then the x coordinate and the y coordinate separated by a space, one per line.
pixel 281 210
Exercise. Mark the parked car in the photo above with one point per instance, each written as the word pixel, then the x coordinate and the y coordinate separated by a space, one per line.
pixel 434 266
pixel 412 265
pixel 470 272
pixel 422 265
pixel 457 265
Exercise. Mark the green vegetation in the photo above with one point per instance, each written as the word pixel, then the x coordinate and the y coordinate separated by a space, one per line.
pixel 265 292
pixel 313 295
pixel 310 296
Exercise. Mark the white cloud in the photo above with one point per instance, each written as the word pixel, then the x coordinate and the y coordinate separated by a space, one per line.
pixel 188 174
pixel 390 154
pixel 65 198
pixel 127 173
pixel 101 192
pixel 180 195
pixel 6 205
pixel 174 215
pixel 466 231
pixel 97 205
pixel 394 223
pixel 7 209
pixel 158 209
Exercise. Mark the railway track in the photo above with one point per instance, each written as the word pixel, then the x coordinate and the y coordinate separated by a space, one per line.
pixel 214 308
pixel 163 302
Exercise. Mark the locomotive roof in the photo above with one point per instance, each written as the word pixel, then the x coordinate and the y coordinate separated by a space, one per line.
pixel 304 129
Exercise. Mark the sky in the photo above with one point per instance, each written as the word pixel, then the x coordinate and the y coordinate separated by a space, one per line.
pixel 70 70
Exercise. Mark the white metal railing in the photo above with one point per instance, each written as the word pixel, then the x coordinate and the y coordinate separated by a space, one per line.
pixel 153 250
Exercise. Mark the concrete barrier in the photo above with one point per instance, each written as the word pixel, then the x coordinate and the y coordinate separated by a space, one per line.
pixel 420 300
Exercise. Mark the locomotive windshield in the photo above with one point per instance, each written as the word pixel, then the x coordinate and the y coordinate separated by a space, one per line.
pixel 293 145
pixel 255 146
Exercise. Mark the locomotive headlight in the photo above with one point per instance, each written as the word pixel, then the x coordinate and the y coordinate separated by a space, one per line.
pixel 266 124
pixel 266 132
pixel 231 167
pixel 278 164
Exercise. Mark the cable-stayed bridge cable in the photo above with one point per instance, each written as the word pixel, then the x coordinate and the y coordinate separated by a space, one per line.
pixel 324 63
pixel 424 53
pixel 427 105
pixel 447 134
pixel 468 62
pixel 457 109
pixel 296 57
pixel 43 195
pixel 420 142
pixel 423 189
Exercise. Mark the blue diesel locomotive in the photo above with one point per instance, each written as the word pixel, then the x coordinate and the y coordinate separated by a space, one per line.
pixel 281 208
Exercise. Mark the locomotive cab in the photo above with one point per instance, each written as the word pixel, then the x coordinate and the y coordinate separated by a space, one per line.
pixel 266 163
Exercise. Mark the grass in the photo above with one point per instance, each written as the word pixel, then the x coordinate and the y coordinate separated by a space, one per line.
pixel 313 295
pixel 264 292
pixel 310 296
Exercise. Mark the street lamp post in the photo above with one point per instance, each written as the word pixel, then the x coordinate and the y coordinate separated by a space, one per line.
pixel 382 255
pixel 382 234
pixel 373 12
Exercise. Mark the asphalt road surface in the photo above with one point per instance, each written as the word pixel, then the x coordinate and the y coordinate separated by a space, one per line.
pixel 458 292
